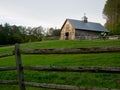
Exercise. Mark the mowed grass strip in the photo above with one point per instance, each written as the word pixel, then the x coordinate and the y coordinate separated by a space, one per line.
pixel 78 79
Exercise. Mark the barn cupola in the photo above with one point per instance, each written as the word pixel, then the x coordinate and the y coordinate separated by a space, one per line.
pixel 84 18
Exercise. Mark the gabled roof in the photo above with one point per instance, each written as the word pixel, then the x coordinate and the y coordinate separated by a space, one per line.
pixel 89 26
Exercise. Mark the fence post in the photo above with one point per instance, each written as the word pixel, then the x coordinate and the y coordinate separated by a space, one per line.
pixel 19 67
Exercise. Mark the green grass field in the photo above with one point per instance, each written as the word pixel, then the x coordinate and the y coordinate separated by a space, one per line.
pixel 100 80
pixel 62 44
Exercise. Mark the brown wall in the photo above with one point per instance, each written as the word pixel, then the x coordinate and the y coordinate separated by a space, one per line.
pixel 67 32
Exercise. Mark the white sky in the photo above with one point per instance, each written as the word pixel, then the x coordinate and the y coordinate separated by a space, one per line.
pixel 49 13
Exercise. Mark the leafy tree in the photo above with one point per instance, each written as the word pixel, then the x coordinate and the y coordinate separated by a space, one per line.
pixel 56 32
pixel 53 32
pixel 17 38
pixel 36 33
pixel 112 16
pixel 10 34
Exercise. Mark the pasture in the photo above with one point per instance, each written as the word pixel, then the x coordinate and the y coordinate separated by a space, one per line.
pixel 100 80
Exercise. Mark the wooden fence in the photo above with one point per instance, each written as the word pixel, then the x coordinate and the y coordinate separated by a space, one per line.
pixel 17 52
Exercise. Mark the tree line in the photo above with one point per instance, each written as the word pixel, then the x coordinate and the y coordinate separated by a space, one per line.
pixel 11 34
pixel 111 13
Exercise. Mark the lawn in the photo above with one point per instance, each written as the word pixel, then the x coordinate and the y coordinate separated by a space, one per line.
pixel 79 79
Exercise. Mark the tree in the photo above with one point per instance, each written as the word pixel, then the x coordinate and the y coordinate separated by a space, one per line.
pixel 3 36
pixel 53 32
pixel 56 32
pixel 11 34
pixel 112 16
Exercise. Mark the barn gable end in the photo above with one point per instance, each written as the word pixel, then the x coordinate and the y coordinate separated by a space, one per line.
pixel 67 31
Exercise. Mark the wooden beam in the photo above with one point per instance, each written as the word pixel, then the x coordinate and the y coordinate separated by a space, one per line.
pixel 74 69
pixel 73 50
pixel 19 67
pixel 7 68
pixel 6 55
pixel 8 82
pixel 62 87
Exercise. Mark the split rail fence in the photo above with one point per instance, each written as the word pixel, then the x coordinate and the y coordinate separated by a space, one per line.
pixel 17 52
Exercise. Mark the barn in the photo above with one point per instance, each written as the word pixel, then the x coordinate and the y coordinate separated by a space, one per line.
pixel 81 29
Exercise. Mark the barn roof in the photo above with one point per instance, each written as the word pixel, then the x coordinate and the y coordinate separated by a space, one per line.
pixel 89 26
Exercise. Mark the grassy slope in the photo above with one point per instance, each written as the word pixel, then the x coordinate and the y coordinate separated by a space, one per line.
pixel 79 79
pixel 62 44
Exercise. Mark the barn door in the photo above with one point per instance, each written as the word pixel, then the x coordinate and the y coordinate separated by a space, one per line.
pixel 67 36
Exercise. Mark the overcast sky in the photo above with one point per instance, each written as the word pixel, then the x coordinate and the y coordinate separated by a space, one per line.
pixel 49 13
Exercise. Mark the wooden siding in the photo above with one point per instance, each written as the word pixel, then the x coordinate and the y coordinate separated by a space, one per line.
pixel 86 35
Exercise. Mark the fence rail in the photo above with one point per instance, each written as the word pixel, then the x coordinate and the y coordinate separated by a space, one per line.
pixel 8 82
pixel 62 87
pixel 73 50
pixel 6 55
pixel 52 86
pixel 17 52
pixel 7 68
pixel 74 69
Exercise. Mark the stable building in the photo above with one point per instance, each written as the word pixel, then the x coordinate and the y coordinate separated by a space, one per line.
pixel 81 29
